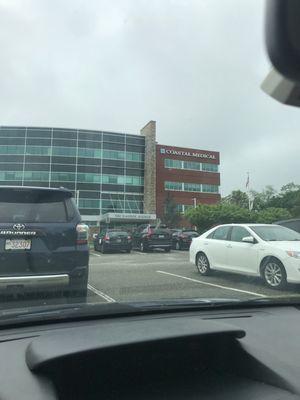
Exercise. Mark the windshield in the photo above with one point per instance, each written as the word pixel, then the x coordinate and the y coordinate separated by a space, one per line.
pixel 276 233
pixel 129 130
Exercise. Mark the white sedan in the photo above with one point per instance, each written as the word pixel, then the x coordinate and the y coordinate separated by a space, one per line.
pixel 269 251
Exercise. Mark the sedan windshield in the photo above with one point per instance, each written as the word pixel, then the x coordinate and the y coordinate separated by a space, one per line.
pixel 275 233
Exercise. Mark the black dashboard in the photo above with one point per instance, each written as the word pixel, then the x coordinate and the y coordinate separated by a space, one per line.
pixel 225 354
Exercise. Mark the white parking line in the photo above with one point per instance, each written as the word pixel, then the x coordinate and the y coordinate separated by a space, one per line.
pixel 95 254
pixel 101 294
pixel 212 284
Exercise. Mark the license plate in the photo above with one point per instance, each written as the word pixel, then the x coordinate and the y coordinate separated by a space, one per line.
pixel 17 244
pixel 161 236
pixel 118 240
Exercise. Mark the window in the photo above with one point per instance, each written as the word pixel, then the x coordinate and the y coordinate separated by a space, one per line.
pixel 38 133
pixel 111 137
pixel 210 188
pixel 89 135
pixel 276 233
pixel 64 151
pixel 238 233
pixel 20 133
pixel 91 178
pixel 37 142
pixel 181 208
pixel 38 150
pixel 91 153
pixel 64 134
pixel 36 176
pixel 11 149
pixel 192 187
pixel 89 203
pixel 64 142
pixel 192 165
pixel 173 186
pixel 32 212
pixel 121 180
pixel 63 176
pixel 113 155
pixel 173 163
pixel 220 233
pixel 210 167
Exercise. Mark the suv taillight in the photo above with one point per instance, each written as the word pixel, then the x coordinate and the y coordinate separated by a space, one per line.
pixel 82 234
pixel 150 232
pixel 129 237
pixel 106 238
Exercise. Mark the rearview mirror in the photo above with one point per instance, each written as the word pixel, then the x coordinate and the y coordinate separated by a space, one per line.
pixel 248 239
pixel 282 30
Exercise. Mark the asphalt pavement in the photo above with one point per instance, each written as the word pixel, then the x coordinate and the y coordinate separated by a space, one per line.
pixel 122 277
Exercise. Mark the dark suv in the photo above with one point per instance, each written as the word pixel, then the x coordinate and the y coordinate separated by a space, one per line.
pixel 149 237
pixel 182 239
pixel 43 244
pixel 113 240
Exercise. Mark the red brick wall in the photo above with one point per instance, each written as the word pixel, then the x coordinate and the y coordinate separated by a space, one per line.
pixel 179 175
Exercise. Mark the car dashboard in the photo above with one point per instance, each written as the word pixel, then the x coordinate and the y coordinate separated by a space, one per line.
pixel 215 354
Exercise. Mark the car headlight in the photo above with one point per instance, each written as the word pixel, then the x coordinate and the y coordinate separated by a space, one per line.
pixel 295 254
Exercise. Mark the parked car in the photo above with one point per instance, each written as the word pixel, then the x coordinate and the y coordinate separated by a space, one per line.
pixel 291 224
pixel 113 240
pixel 43 244
pixel 149 237
pixel 182 239
pixel 271 252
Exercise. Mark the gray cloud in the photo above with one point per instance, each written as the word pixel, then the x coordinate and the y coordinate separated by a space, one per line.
pixel 194 66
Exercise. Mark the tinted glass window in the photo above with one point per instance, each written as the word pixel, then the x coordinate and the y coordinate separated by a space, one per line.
pixel 220 233
pixel 33 212
pixel 238 233
pixel 117 233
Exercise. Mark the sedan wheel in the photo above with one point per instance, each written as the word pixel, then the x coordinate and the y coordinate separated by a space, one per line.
pixel 274 274
pixel 202 264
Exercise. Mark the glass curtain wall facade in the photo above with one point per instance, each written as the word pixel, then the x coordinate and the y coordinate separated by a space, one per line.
pixel 104 170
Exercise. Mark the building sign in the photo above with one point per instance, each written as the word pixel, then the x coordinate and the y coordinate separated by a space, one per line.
pixel 129 216
pixel 187 153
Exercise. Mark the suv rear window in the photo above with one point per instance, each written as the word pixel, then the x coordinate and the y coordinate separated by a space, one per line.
pixel 33 212
pixel 26 206
pixel 117 233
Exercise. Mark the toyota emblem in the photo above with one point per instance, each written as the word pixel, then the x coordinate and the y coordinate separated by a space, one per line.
pixel 19 227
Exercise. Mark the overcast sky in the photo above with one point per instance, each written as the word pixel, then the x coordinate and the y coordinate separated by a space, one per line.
pixel 193 66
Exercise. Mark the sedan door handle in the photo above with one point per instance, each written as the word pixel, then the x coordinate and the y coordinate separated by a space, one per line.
pixel 229 246
pixel 206 243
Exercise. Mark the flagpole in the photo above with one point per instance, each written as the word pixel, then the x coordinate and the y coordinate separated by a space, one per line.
pixel 248 190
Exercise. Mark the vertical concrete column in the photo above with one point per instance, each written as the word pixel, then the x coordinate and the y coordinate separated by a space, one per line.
pixel 149 131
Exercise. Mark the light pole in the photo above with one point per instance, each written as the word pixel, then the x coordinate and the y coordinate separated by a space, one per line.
pixel 195 202
pixel 77 198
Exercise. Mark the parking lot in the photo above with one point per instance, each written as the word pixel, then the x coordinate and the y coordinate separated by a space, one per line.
pixel 159 275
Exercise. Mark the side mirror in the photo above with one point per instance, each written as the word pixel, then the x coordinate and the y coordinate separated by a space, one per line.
pixel 249 239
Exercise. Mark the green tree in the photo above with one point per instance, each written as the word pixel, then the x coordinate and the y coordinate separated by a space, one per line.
pixel 290 187
pixel 238 198
pixel 205 216
pixel 272 214
pixel 262 199
pixel 171 216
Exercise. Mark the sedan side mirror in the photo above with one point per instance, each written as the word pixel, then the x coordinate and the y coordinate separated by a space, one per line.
pixel 249 239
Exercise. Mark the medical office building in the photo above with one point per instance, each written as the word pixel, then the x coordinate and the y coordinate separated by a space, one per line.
pixel 116 178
